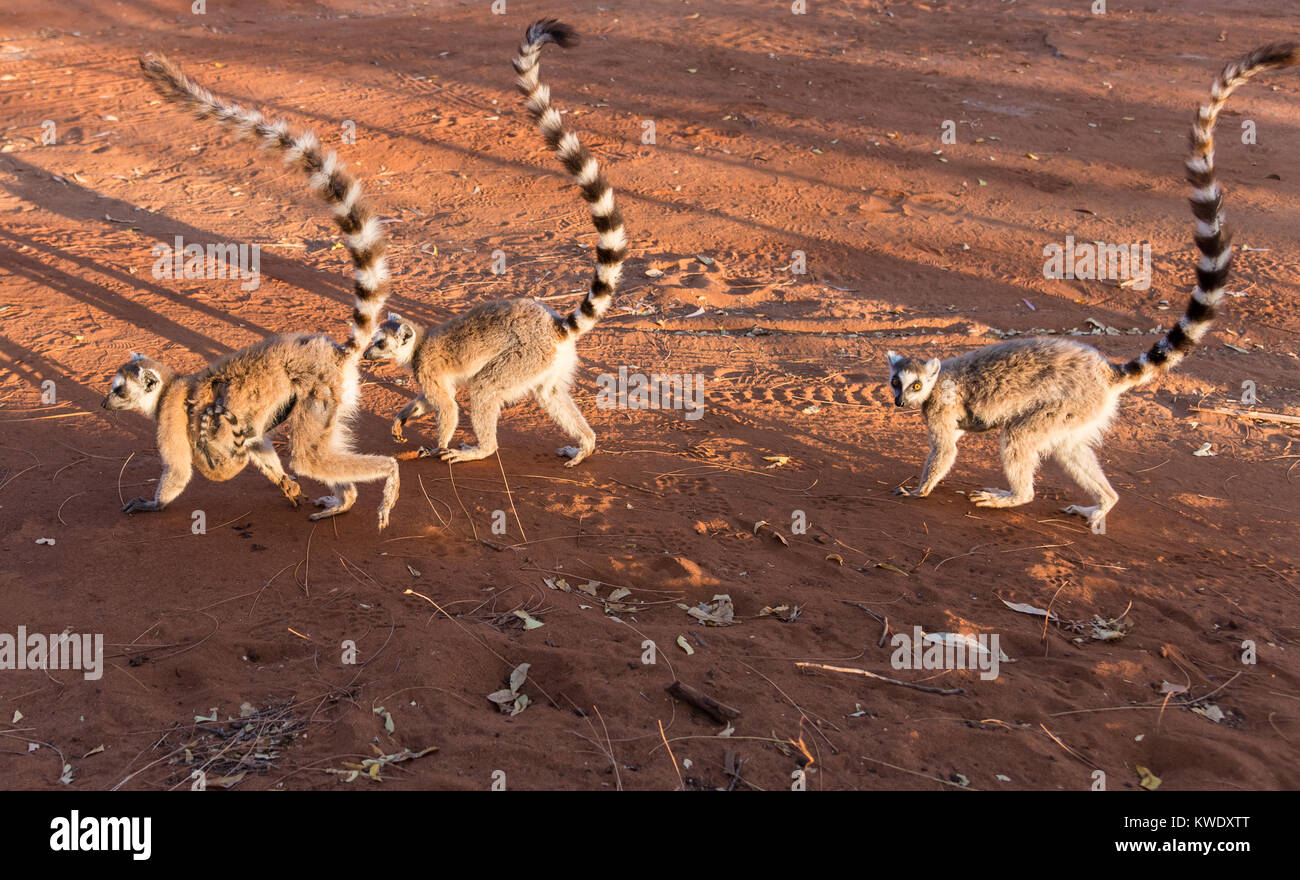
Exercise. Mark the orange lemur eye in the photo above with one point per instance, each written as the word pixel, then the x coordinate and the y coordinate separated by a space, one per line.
pixel 916 386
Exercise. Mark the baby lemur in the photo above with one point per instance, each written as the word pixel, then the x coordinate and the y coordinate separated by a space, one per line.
pixel 506 349
pixel 1054 397
pixel 217 420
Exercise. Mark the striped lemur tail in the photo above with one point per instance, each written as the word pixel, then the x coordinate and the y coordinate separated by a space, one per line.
pixel 605 216
pixel 1213 239
pixel 328 177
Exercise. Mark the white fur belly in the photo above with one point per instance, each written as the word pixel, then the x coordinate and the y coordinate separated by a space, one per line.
pixel 561 371
pixel 351 391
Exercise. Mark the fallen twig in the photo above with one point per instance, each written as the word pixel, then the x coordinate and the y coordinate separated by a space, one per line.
pixel 719 712
pixel 907 684
pixel 883 621
pixel 1259 416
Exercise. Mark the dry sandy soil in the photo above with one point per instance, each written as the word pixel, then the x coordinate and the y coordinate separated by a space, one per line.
pixel 774 133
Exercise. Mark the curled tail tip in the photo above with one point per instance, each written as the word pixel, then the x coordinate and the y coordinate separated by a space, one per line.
pixel 159 67
pixel 151 60
pixel 551 30
pixel 1271 55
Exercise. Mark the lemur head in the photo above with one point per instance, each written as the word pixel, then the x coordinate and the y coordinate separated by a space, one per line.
pixel 912 380
pixel 137 385
pixel 394 340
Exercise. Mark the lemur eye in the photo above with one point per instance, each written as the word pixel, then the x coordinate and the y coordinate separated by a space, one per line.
pixel 916 386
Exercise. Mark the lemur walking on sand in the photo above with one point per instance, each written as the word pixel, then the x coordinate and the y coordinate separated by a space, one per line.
pixel 217 420
pixel 1055 397
pixel 506 349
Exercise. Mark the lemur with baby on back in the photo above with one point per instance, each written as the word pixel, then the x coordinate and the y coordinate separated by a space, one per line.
pixel 218 420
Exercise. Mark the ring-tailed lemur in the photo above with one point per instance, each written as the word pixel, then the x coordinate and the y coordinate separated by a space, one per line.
pixel 1054 397
pixel 504 350
pixel 216 420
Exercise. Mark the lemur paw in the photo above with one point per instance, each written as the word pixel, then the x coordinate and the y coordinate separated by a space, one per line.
pixel 467 453
pixel 1093 513
pixel 292 491
pixel 574 455
pixel 996 498
pixel 383 519
pixel 331 505
pixel 139 505
pixel 910 493
pixel 397 431
pixel 218 413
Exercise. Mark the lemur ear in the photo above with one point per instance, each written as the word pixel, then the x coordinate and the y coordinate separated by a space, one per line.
pixel 932 366
pixel 893 357
pixel 151 380
pixel 405 333
pixel 136 356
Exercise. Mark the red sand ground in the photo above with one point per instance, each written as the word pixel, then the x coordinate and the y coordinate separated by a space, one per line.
pixel 775 133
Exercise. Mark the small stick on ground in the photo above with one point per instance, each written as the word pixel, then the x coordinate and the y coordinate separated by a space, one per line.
pixel 1071 751
pixel 731 765
pixel 970 552
pixel 719 712
pixel 510 496
pixel 461 503
pixel 441 522
pixel 119 477
pixel 1245 414
pixel 906 684
pixel 680 784
pixel 883 621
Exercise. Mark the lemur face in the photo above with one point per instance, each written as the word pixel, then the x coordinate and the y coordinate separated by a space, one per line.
pixel 394 340
pixel 136 386
pixel 912 380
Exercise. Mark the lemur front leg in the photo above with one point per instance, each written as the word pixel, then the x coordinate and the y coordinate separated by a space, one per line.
pixel 484 408
pixel 175 477
pixel 441 400
pixel 943 453
pixel 412 410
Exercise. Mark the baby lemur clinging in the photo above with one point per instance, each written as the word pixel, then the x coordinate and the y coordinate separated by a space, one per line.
pixel 1053 396
pixel 217 420
pixel 506 349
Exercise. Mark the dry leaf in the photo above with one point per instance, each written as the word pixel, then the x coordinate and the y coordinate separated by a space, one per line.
pixel 719 612
pixel 1148 780
pixel 530 622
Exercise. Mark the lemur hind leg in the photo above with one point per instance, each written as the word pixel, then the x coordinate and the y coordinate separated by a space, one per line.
pixel 1080 462
pixel 345 495
pixel 559 405
pixel 320 453
pixel 263 456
